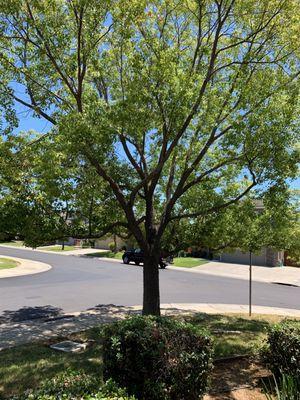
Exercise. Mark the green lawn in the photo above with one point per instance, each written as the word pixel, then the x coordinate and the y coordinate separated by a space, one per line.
pixel 57 248
pixel 235 334
pixel 106 254
pixel 16 243
pixel 189 262
pixel 6 263
pixel 28 366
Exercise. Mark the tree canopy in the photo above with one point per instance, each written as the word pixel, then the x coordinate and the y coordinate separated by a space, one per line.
pixel 178 108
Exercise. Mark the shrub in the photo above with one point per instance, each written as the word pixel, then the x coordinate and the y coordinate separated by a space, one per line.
pixel 282 352
pixel 72 385
pixel 284 388
pixel 110 391
pixel 157 358
pixel 112 247
pixel 181 253
pixel 69 384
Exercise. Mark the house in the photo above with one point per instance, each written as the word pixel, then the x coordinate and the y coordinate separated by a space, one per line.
pixel 102 243
pixel 267 257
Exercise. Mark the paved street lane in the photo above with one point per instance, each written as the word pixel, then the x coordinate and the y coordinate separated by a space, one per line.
pixel 78 283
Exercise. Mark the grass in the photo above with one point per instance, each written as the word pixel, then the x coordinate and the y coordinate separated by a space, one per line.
pixel 16 243
pixel 107 254
pixel 6 263
pixel 235 334
pixel 57 248
pixel 28 366
pixel 189 262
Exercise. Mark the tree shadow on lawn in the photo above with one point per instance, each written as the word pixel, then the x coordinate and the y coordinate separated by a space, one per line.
pixel 233 334
pixel 27 366
pixel 231 322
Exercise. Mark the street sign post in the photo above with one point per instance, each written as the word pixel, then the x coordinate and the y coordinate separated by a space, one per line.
pixel 250 283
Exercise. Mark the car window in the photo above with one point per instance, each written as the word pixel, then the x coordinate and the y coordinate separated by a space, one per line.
pixel 137 250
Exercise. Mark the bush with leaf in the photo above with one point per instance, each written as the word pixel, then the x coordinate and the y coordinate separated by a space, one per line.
pixel 157 358
pixel 182 253
pixel 76 385
pixel 112 247
pixel 282 351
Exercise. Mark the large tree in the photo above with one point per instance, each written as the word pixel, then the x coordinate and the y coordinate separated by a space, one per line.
pixel 181 107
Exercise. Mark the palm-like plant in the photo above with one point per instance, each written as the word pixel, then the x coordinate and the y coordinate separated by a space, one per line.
pixel 286 388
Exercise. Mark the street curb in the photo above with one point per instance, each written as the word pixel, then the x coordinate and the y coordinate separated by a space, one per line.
pixel 26 267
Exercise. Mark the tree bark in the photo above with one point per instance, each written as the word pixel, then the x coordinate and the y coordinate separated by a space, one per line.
pixel 115 243
pixel 151 298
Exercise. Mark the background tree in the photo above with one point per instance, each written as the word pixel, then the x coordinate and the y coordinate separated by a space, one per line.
pixel 180 107
pixel 249 225
pixel 44 196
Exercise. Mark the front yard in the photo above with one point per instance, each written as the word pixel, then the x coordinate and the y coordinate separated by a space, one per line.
pixel 28 366
pixel 15 243
pixel 189 262
pixel 57 247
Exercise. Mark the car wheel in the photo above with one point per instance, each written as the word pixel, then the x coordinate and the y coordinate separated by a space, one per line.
pixel 162 266
pixel 137 263
pixel 126 260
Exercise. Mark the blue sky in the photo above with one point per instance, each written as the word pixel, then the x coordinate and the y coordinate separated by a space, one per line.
pixel 27 122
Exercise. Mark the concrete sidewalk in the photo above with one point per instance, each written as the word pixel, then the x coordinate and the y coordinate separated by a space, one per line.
pixel 281 275
pixel 77 252
pixel 37 330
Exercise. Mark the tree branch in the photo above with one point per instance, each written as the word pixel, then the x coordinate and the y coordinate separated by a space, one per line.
pixel 215 208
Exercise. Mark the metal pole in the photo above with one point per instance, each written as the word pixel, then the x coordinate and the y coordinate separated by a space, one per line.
pixel 250 283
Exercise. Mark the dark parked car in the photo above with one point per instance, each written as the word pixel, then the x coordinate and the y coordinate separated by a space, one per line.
pixel 137 257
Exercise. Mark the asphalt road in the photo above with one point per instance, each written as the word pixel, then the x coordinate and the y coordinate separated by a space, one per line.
pixel 77 283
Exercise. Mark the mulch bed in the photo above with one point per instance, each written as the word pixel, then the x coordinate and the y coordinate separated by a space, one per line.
pixel 237 378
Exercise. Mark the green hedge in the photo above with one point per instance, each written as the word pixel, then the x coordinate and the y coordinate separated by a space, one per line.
pixel 157 358
pixel 282 352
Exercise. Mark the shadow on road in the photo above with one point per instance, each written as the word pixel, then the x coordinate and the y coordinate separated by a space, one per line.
pixel 30 313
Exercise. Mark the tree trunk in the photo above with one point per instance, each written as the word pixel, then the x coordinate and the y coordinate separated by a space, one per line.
pixel 115 243
pixel 151 300
pixel 63 245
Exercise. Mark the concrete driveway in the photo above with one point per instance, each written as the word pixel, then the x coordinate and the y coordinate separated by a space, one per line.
pixel 280 275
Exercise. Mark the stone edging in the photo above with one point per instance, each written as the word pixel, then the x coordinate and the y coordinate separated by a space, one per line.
pixel 26 267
